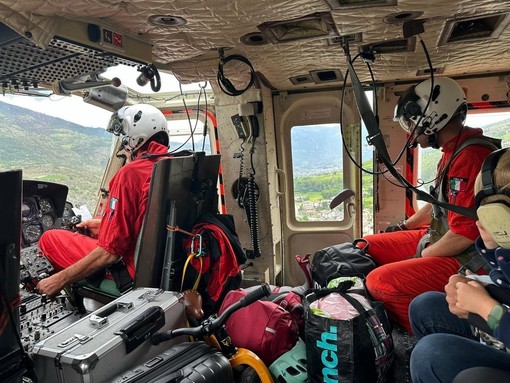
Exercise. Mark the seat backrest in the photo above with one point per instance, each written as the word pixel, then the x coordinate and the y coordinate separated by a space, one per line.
pixel 181 189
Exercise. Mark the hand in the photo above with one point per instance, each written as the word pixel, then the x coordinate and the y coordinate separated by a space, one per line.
pixel 52 285
pixel 451 294
pixel 92 225
pixel 473 297
pixel 487 239
pixel 398 227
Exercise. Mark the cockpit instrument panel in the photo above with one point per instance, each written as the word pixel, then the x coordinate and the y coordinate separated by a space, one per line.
pixel 42 206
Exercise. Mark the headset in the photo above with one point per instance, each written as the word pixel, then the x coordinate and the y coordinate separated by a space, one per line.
pixel 494 216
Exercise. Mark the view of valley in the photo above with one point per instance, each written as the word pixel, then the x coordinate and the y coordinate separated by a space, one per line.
pixel 52 149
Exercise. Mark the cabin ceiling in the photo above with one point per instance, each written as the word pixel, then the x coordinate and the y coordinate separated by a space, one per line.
pixel 190 50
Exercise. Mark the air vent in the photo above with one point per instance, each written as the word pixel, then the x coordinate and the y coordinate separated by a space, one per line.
pixel 327 75
pixel 390 46
pixel 474 28
pixel 62 59
pixel 352 38
pixel 343 4
pixel 316 26
pixel 426 71
pixel 167 20
pixel 301 79
pixel 254 38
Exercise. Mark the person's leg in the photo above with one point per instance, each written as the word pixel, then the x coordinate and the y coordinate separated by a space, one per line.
pixel 393 247
pixel 440 357
pixel 397 284
pixel 64 248
pixel 429 314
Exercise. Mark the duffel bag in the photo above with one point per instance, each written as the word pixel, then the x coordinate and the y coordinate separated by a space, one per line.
pixel 342 260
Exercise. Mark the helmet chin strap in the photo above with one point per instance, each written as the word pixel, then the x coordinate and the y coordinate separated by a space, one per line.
pixel 432 140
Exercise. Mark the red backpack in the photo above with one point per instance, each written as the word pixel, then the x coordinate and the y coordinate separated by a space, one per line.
pixel 263 327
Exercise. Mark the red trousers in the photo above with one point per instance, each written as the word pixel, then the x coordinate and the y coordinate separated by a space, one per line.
pixel 400 277
pixel 64 248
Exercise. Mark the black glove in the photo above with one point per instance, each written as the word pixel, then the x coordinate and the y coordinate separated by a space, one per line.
pixel 398 227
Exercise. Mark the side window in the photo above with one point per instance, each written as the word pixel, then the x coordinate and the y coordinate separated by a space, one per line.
pixel 188 134
pixel 495 124
pixel 316 166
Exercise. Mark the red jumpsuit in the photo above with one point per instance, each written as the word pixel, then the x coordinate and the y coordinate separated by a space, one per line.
pixel 401 277
pixel 121 220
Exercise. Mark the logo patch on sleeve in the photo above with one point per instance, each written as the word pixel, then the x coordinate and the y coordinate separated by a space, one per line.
pixel 458 184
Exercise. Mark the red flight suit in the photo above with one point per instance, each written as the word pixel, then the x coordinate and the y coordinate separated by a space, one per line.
pixel 401 277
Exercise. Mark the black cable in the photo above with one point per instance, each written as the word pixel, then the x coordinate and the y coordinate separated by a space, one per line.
pixel 189 119
pixel 224 83
pixel 204 131
pixel 156 80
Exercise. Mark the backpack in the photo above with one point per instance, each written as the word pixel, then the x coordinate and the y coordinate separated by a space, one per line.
pixel 214 255
pixel 263 327
pixel 342 260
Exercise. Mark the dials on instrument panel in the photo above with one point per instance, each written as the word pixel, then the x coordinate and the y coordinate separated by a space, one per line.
pixel 68 210
pixel 47 220
pixel 38 215
pixel 45 205
pixel 27 211
pixel 32 232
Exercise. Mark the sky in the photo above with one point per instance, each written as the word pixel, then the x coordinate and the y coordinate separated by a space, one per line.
pixel 72 108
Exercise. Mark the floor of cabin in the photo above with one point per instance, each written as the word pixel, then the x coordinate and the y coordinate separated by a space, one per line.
pixel 403 343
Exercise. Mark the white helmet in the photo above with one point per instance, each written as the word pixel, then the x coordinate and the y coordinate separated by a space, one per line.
pixel 136 124
pixel 448 100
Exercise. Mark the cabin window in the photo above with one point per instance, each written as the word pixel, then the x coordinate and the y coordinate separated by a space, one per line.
pixel 317 169
pixel 188 134
pixel 62 139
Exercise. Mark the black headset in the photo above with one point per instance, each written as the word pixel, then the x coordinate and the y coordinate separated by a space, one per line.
pixel 494 216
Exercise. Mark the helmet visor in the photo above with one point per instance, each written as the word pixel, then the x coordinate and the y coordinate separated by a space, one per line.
pixel 406 123
pixel 407 110
pixel 115 125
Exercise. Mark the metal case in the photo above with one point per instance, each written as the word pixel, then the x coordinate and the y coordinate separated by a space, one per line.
pixel 101 345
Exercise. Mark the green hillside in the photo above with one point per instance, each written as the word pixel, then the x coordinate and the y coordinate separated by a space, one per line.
pixel 52 149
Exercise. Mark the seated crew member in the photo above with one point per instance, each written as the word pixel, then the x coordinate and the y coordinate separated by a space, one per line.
pixel 446 343
pixel 406 271
pixel 143 129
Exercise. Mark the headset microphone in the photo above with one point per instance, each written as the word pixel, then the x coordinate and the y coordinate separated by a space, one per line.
pixel 494 216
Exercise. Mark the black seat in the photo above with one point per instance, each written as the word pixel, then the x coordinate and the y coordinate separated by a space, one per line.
pixel 181 189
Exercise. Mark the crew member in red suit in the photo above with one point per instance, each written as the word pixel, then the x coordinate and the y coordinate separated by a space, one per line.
pixel 142 129
pixel 421 254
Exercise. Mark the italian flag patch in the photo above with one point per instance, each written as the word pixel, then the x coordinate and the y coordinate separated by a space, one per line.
pixel 458 184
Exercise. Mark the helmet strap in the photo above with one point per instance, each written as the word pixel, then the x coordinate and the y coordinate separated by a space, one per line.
pixel 433 140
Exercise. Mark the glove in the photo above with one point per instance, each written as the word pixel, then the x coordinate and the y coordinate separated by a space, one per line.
pixel 398 227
